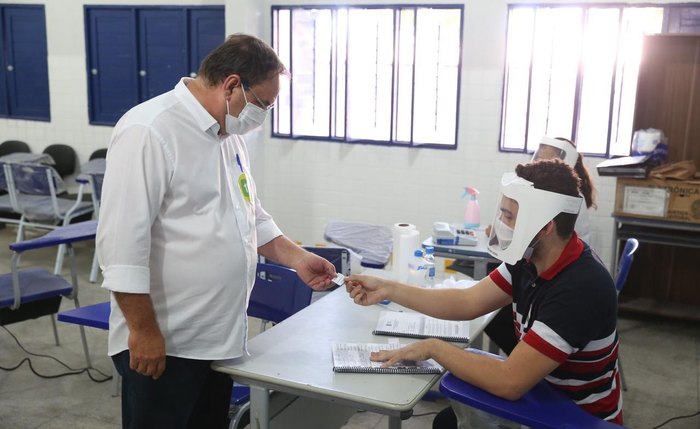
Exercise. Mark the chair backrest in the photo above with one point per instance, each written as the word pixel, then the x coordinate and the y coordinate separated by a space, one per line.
pixel 623 268
pixel 12 146
pixel 99 153
pixel 277 294
pixel 64 157
pixel 36 179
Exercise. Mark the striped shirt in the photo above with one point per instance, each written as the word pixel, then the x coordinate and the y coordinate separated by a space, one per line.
pixel 569 314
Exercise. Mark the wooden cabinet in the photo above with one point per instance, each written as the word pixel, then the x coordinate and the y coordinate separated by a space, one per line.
pixel 668 92
pixel 665 276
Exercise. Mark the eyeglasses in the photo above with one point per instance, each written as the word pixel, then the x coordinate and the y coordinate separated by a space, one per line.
pixel 261 103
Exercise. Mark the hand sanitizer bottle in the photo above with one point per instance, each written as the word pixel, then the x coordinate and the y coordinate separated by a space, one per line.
pixel 471 215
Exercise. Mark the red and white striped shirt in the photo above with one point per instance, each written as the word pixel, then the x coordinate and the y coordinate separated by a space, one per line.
pixel 569 314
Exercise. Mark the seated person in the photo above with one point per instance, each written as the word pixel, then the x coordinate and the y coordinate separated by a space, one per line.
pixel 500 330
pixel 564 303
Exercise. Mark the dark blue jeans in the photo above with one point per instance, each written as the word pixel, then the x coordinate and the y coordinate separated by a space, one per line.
pixel 189 394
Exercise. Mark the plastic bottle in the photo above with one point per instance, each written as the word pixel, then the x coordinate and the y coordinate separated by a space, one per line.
pixel 416 269
pixel 429 259
pixel 472 218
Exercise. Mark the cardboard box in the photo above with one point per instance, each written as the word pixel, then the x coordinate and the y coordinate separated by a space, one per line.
pixel 673 200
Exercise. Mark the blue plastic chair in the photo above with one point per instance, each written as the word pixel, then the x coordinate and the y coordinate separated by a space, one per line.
pixel 623 270
pixel 277 294
pixel 34 292
pixel 95 316
pixel 543 407
pixel 36 189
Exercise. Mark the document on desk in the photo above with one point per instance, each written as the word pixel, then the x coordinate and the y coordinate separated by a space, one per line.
pixel 417 325
pixel 354 357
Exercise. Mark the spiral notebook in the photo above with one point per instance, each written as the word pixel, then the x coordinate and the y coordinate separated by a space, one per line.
pixel 417 325
pixel 354 357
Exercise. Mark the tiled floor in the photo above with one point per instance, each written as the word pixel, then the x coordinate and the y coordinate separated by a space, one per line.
pixel 661 361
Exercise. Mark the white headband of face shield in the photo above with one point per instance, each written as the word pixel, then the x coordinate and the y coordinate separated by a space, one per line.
pixel 522 212
pixel 550 148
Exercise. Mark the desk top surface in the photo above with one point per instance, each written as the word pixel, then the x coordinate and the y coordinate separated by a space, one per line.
pixel 295 357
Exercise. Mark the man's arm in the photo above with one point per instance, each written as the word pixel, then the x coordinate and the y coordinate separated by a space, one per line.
pixel 134 187
pixel 509 379
pixel 450 304
pixel 146 342
pixel 314 270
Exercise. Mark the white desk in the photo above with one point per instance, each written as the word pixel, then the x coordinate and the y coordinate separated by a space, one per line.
pixel 294 357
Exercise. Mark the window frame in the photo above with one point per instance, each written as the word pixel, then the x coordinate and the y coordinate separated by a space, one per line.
pixel 580 77
pixel 396 9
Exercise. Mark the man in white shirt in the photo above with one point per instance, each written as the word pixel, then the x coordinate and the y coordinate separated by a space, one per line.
pixel 180 230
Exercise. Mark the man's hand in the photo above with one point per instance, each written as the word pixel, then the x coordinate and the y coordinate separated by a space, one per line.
pixel 412 352
pixel 147 352
pixel 367 290
pixel 315 271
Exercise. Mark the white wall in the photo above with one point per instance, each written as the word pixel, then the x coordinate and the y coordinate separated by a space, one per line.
pixel 304 184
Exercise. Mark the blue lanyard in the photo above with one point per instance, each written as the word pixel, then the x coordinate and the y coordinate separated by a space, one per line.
pixel 238 161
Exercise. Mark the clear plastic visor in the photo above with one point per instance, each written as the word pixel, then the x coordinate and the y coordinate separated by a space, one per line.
pixel 504 224
pixel 556 149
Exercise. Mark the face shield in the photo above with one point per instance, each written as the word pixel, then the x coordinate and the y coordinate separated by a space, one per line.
pixel 522 212
pixel 556 149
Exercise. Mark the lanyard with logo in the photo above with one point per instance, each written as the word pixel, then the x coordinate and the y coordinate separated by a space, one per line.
pixel 243 181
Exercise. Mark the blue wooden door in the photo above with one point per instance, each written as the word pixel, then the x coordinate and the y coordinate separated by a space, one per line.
pixel 112 63
pixel 26 62
pixel 207 31
pixel 162 51
pixel 4 108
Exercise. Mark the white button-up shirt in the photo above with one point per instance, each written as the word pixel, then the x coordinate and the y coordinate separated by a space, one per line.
pixel 177 223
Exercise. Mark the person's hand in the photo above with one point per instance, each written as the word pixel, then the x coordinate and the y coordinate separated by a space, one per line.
pixel 412 352
pixel 367 290
pixel 147 352
pixel 487 230
pixel 315 271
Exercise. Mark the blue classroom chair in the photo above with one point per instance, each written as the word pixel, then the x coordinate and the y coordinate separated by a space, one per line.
pixel 37 190
pixel 277 294
pixel 95 316
pixel 34 292
pixel 543 407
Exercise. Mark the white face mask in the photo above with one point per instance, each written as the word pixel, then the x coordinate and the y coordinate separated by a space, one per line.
pixel 531 249
pixel 504 233
pixel 250 118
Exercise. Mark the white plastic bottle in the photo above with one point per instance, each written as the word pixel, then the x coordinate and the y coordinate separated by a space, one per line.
pixel 416 269
pixel 429 258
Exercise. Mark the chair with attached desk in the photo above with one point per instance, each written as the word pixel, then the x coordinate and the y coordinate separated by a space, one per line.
pixel 543 407
pixel 30 293
pixel 277 294
pixel 94 316
pixel 36 189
